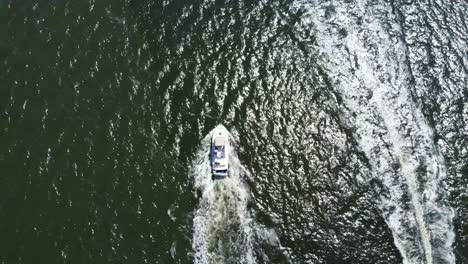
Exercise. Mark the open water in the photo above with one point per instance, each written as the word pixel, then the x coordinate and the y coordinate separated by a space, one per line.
pixel 348 123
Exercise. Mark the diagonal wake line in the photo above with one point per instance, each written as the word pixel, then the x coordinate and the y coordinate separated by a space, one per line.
pixel 370 76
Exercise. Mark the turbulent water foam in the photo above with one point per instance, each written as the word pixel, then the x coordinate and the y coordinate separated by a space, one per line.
pixel 368 66
pixel 222 225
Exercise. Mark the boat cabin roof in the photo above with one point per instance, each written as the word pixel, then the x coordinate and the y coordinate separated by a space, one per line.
pixel 220 141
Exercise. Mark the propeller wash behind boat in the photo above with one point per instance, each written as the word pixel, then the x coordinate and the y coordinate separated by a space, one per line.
pixel 223 229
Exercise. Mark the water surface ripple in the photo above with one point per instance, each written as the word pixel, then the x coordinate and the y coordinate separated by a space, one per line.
pixel 350 119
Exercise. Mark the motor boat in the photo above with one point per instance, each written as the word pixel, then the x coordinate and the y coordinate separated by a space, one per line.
pixel 219 157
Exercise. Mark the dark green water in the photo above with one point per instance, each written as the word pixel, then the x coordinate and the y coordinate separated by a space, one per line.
pixel 104 104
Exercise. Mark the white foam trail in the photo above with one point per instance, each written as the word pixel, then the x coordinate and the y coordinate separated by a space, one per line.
pixel 222 223
pixel 368 67
pixel 409 173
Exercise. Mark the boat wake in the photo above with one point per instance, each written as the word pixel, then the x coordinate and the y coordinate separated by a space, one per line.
pixel 374 82
pixel 222 224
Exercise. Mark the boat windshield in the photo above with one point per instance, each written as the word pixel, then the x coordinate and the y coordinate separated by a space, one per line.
pixel 219 152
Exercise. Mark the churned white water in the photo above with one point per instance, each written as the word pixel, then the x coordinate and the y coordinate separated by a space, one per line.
pixel 222 224
pixel 368 67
